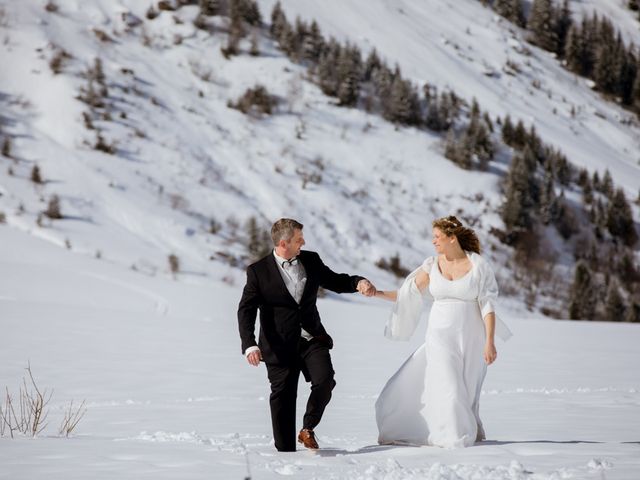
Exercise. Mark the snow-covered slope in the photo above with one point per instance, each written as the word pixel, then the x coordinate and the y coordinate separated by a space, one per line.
pixel 184 158
pixel 90 303
pixel 169 395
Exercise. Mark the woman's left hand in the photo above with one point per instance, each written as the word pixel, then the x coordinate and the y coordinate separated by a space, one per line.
pixel 490 353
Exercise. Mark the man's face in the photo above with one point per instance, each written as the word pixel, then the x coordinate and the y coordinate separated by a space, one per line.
pixel 294 244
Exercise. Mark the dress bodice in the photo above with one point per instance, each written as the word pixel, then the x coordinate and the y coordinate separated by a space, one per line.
pixel 465 288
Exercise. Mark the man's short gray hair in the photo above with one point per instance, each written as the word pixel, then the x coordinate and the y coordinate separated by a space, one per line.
pixel 283 229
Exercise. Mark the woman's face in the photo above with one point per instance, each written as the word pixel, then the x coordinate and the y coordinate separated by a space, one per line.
pixel 440 240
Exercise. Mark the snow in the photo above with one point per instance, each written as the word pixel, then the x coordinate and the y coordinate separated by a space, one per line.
pixel 90 304
pixel 169 395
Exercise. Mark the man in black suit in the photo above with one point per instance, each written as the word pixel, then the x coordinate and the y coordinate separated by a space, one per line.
pixel 284 287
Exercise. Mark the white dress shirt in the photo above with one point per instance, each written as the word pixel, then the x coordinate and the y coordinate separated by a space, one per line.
pixel 295 278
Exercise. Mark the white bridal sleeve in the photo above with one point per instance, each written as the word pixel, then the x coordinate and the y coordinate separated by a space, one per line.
pixel 488 296
pixel 406 312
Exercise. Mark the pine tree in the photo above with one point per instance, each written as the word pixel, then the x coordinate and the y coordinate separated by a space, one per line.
pixel 403 106
pixel 587 191
pixel 606 186
pixel 620 219
pixel 635 94
pixel 371 65
pixel 521 194
pixel 564 217
pixel 382 83
pixel 313 43
pixel 627 76
pixel 507 130
pixel 512 10
pixel 614 305
pixel 582 295
pixel 542 25
pixel 573 50
pixel 278 20
pixel 633 312
pixel 259 242
pixel 327 68
pixel 563 24
pixel 605 66
pixel 548 200
pixel 348 72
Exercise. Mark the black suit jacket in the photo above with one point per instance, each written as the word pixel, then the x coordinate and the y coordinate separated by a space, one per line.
pixel 281 318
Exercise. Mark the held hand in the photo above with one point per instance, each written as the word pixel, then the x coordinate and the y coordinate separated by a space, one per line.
pixel 254 358
pixel 490 353
pixel 366 288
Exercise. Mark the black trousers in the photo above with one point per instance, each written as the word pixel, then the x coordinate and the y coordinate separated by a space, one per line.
pixel 314 361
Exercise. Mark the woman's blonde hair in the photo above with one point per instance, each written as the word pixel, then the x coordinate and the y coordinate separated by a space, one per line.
pixel 451 226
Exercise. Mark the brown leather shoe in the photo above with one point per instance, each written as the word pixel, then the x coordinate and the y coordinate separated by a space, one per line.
pixel 308 439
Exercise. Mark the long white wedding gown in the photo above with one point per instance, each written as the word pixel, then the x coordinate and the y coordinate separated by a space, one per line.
pixel 433 399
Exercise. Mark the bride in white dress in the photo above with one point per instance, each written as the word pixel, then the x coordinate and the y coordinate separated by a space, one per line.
pixel 433 399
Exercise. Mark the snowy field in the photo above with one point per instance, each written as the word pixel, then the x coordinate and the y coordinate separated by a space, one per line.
pixel 170 396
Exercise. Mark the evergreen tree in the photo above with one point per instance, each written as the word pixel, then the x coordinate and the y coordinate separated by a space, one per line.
pixel 512 10
pixel 587 191
pixel 507 130
pixel 606 186
pixel 596 181
pixel 627 76
pixel 327 68
pixel 563 24
pixel 614 306
pixel 635 94
pixel 573 50
pixel 288 41
pixel 633 312
pixel 542 25
pixel 548 200
pixel 403 106
pixel 259 242
pixel 582 295
pixel 605 66
pixel 519 136
pixel 382 82
pixel 564 218
pixel 348 72
pixel 278 20
pixel 313 44
pixel 620 219
pixel 371 64
pixel 521 194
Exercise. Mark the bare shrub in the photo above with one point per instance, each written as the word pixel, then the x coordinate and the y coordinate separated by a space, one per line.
pixel 30 415
pixel 36 176
pixel 59 60
pixel 102 35
pixel 51 7
pixel 6 147
pixel 174 264
pixel 166 6
pixel 152 13
pixel 53 208
pixel 103 146
pixel 3 217
pixel 393 265
pixel 72 417
pixel 255 100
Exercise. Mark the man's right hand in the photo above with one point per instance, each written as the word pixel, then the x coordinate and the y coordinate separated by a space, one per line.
pixel 254 358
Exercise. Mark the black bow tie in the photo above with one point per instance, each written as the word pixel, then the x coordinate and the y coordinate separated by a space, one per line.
pixel 291 261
